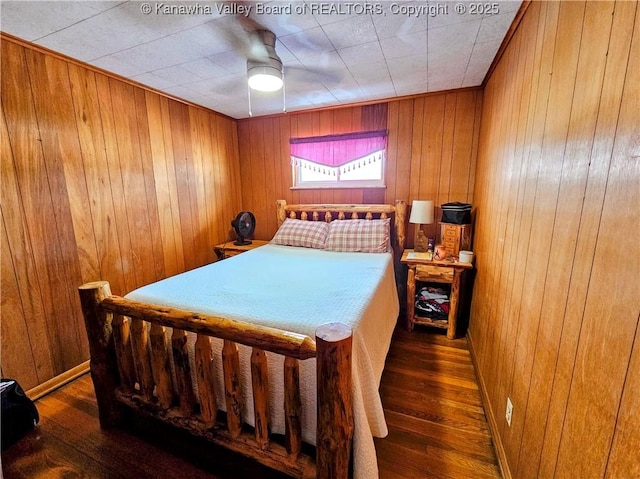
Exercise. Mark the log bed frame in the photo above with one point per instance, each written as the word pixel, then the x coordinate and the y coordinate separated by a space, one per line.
pixel 130 368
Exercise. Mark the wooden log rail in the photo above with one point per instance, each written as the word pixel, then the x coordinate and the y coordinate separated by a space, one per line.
pixel 131 365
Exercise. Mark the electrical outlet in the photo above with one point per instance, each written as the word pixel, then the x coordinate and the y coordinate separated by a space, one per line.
pixel 507 415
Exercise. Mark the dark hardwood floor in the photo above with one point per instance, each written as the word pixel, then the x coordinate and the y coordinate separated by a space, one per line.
pixel 437 428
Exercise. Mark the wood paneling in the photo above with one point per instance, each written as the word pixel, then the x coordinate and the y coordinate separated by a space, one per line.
pixel 555 313
pixel 100 180
pixel 103 179
pixel 431 153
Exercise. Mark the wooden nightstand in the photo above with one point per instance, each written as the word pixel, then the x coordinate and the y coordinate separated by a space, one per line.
pixel 433 271
pixel 228 249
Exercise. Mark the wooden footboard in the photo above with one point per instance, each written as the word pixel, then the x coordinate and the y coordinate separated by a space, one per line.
pixel 131 366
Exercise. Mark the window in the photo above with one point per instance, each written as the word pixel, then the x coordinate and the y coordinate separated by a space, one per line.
pixel 352 160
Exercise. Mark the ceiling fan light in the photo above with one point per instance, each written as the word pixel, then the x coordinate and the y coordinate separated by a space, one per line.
pixel 265 78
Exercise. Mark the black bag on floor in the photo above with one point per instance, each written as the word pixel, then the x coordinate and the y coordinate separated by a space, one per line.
pixel 19 413
pixel 456 213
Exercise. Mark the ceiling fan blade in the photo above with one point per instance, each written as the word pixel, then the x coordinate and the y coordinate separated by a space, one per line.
pixel 247 36
pixel 258 46
pixel 312 75
pixel 235 36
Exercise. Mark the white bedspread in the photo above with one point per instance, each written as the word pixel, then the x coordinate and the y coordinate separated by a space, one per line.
pixel 298 289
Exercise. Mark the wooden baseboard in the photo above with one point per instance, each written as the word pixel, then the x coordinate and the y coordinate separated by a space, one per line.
pixel 58 381
pixel 491 418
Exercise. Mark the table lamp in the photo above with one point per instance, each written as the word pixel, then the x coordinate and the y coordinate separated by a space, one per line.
pixel 421 214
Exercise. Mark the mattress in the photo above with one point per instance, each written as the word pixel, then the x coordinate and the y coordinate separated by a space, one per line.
pixel 299 289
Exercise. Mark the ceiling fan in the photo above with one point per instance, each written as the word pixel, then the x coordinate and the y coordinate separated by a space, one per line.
pixel 266 71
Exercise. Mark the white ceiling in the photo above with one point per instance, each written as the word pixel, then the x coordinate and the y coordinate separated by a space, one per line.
pixel 330 58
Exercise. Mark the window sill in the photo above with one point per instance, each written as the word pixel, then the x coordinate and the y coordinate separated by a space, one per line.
pixel 336 187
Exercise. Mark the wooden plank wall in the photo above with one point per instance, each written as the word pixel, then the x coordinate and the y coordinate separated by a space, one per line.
pixel 100 180
pixel 556 303
pixel 431 153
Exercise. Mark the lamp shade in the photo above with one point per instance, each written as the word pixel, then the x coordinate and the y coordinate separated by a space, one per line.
pixel 421 212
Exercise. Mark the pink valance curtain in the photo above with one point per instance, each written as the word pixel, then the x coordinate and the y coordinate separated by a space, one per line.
pixel 336 150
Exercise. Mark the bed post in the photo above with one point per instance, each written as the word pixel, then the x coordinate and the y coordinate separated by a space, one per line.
pixel 401 223
pixel 400 237
pixel 104 368
pixel 280 211
pixel 334 433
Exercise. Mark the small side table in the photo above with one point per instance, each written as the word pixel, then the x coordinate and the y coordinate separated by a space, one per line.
pixel 433 271
pixel 228 249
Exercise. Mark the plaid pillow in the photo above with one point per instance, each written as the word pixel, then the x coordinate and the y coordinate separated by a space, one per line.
pixel 365 236
pixel 309 234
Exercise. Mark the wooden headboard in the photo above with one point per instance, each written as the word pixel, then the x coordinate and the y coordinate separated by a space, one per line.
pixel 330 212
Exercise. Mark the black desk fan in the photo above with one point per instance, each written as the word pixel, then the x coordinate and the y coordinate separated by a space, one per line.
pixel 244 225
